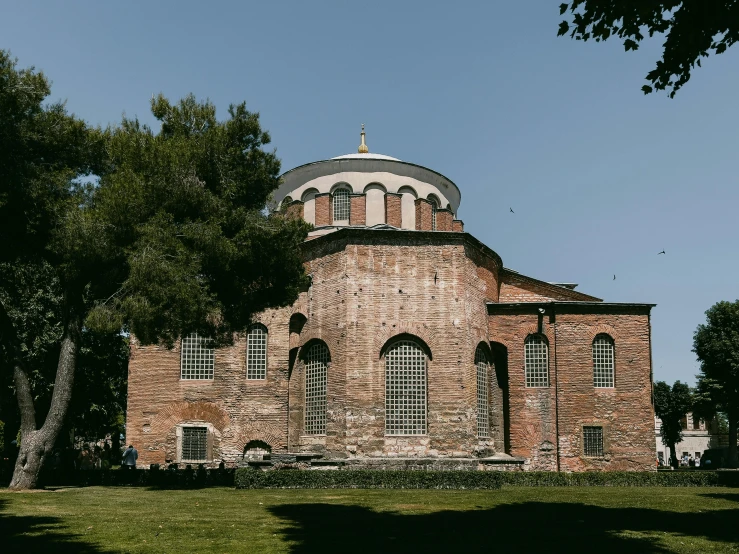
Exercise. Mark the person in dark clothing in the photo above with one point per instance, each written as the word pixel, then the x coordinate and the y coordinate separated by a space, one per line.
pixel 129 458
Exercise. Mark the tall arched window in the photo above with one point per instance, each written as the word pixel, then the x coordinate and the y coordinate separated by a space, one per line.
pixel 316 366
pixel 536 353
pixel 603 362
pixel 483 386
pixel 256 353
pixel 197 357
pixel 434 206
pixel 405 389
pixel 342 205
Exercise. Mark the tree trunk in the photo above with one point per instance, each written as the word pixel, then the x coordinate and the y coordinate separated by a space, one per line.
pixel 673 456
pixel 732 462
pixel 37 444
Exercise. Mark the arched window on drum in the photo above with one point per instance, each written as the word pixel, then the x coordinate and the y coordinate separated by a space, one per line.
pixel 342 204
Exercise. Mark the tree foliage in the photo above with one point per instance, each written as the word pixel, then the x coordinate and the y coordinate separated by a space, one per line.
pixel 671 404
pixel 693 29
pixel 716 344
pixel 168 235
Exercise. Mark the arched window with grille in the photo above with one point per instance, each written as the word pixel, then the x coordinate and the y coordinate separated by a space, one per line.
pixel 482 364
pixel 405 389
pixel 256 352
pixel 536 355
pixel 342 204
pixel 434 207
pixel 603 362
pixel 197 357
pixel 316 373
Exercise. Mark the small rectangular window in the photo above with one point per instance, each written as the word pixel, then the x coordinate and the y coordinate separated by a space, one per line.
pixel 194 444
pixel 592 442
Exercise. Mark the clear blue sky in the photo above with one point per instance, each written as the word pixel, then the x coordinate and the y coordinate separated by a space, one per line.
pixel 601 177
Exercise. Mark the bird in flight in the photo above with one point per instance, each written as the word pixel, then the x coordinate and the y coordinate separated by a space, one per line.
pixel 614 277
pixel 512 210
pixel 663 252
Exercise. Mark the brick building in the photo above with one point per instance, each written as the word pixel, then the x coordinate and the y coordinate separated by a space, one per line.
pixel 413 345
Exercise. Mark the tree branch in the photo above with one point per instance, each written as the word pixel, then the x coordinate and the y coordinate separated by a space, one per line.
pixel 11 344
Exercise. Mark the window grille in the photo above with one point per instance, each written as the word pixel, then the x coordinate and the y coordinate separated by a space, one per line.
pixel 483 408
pixel 342 205
pixel 602 362
pixel 537 362
pixel 592 441
pixel 197 357
pixel 194 444
pixel 256 353
pixel 316 364
pixel 405 389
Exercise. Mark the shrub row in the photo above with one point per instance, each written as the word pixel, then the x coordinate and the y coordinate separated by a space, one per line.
pixel 248 478
pixel 190 478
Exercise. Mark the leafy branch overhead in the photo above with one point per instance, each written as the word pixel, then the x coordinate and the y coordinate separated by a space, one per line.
pixel 693 29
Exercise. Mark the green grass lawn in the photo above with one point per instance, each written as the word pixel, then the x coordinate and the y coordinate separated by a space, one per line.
pixel 572 520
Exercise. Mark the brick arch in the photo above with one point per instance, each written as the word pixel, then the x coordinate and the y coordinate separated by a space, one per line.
pixel 602 329
pixel 532 329
pixel 311 332
pixel 405 328
pixel 258 430
pixel 486 347
pixel 177 412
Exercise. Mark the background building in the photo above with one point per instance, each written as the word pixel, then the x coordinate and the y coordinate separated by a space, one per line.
pixel 413 344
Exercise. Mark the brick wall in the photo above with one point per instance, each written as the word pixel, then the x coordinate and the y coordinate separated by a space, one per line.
pixel 424 210
pixel 458 226
pixel 324 211
pixel 571 401
pixel 358 213
pixel 393 210
pixel 369 286
pixel 444 219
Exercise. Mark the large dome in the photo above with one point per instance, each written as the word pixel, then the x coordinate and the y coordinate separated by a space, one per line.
pixel 365 157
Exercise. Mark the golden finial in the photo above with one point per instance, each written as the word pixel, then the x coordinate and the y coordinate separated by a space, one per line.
pixel 363 147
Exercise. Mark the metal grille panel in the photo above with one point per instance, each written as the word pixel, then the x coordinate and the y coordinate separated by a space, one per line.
pixel 197 357
pixel 483 407
pixel 603 362
pixel 537 362
pixel 316 364
pixel 342 205
pixel 592 441
pixel 405 389
pixel 194 444
pixel 256 353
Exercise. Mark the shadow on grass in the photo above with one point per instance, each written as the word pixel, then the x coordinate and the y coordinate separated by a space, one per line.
pixel 524 527
pixel 38 534
pixel 730 496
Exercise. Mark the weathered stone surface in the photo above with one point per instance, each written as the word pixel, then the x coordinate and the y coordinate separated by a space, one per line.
pixel 448 292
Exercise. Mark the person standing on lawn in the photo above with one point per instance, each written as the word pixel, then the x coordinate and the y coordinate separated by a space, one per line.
pixel 129 458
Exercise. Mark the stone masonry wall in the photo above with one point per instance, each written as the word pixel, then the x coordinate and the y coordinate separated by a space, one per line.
pixel 571 401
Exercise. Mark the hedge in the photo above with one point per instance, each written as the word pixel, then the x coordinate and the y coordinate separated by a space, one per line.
pixel 189 478
pixel 248 478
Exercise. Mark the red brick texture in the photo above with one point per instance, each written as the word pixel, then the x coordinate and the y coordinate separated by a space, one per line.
pixel 457 226
pixel 444 219
pixel 442 290
pixel 546 423
pixel 358 213
pixel 424 210
pixel 324 211
pixel 515 287
pixel 393 214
